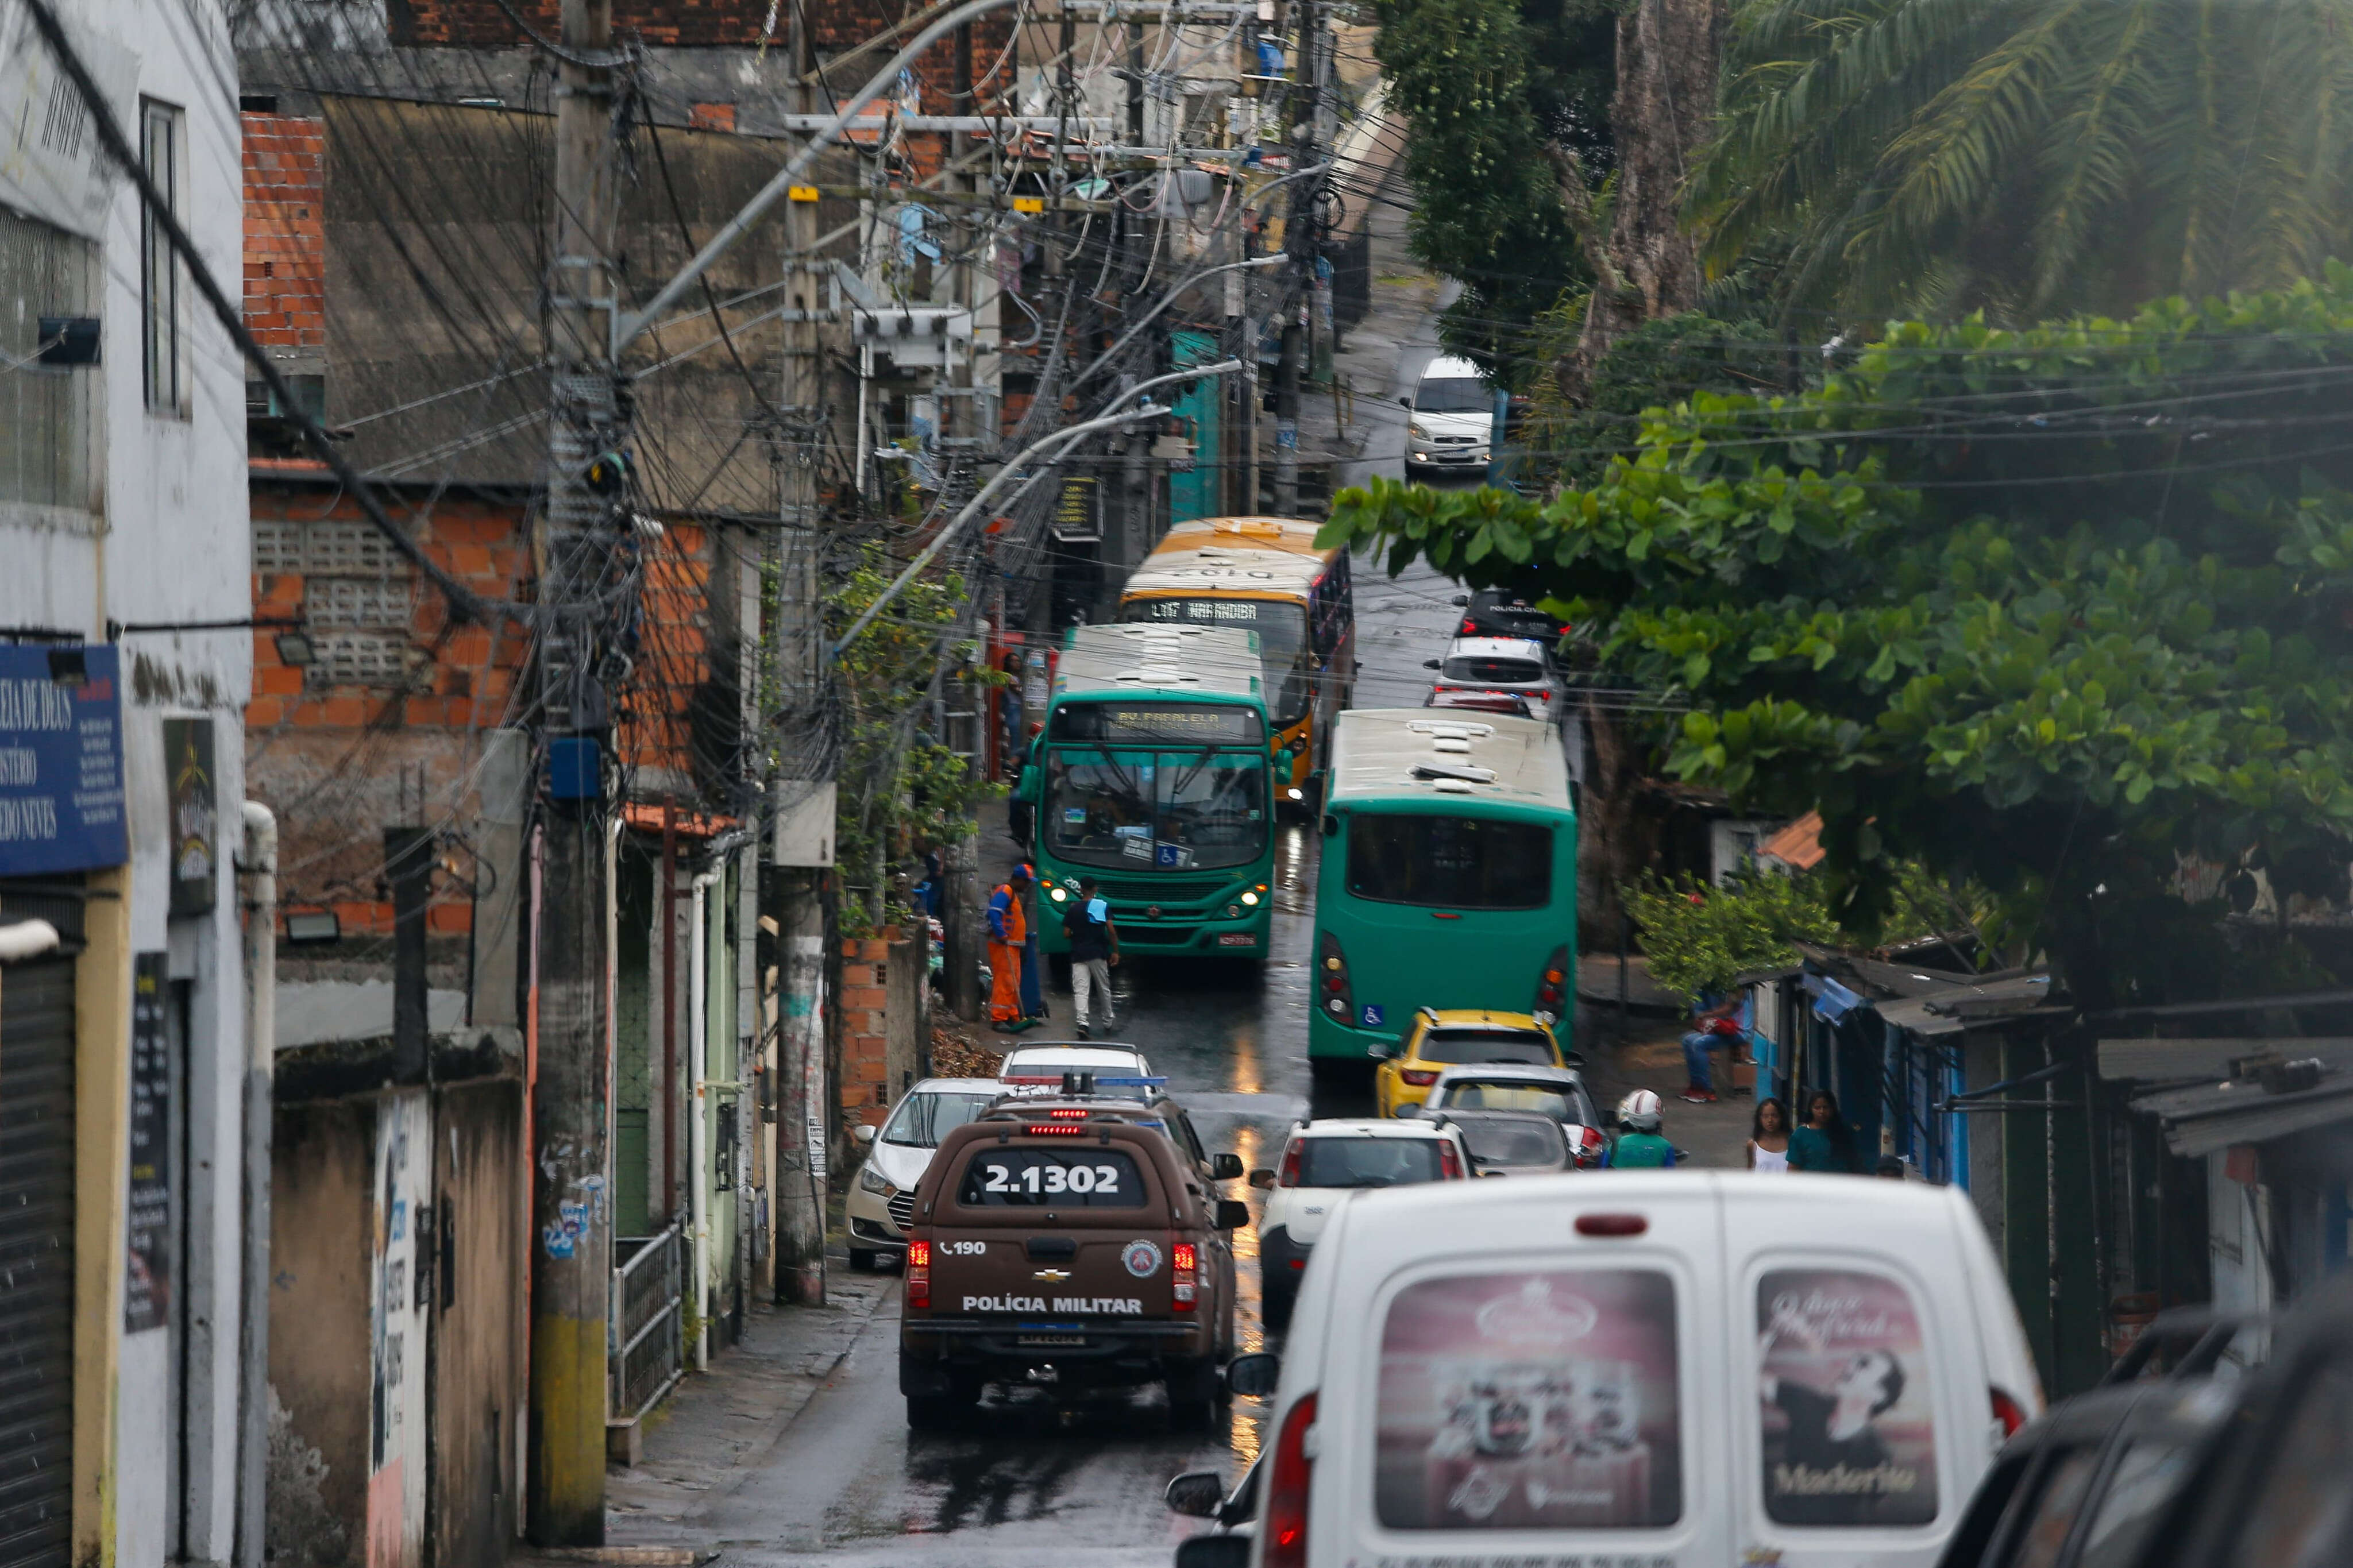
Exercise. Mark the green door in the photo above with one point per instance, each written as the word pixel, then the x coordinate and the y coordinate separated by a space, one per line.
pixel 1194 495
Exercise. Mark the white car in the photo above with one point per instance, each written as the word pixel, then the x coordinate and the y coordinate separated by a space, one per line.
pixel 881 1201
pixel 1557 1092
pixel 1512 666
pixel 1693 1367
pixel 1452 418
pixel 1042 1064
pixel 1323 1162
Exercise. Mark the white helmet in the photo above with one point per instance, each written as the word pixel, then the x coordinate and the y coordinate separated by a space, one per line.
pixel 1639 1112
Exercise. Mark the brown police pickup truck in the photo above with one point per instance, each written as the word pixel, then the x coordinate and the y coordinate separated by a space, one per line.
pixel 1068 1243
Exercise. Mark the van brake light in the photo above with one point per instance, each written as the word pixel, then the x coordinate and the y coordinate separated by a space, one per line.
pixel 1184 1262
pixel 1449 1163
pixel 1290 1177
pixel 2007 1410
pixel 1611 1225
pixel 1287 1487
pixel 919 1274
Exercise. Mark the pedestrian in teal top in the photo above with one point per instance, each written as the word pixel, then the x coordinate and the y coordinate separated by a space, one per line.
pixel 1821 1144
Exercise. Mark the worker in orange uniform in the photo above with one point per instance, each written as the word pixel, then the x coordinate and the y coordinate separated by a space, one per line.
pixel 1008 928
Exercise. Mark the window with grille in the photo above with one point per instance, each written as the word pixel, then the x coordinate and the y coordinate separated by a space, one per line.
pixel 160 143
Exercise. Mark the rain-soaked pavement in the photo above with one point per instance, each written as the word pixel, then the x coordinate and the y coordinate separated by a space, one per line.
pixel 1033 1479
pixel 1030 1477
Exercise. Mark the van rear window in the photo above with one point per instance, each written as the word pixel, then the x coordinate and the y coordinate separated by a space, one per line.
pixel 1093 1177
pixel 1849 1422
pixel 1530 1400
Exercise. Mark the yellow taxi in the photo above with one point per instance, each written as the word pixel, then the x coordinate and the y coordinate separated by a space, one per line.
pixel 1440 1039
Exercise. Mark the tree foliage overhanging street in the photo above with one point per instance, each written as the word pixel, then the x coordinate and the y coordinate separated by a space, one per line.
pixel 2058 610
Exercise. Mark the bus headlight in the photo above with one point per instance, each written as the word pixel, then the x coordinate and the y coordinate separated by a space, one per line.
pixel 1060 896
pixel 1296 793
pixel 1250 897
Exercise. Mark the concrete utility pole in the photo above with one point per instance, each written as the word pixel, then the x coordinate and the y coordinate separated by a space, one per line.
pixel 1300 243
pixel 571 1209
pixel 803 799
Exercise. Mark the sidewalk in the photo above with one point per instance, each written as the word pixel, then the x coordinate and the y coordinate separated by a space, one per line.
pixel 717 1426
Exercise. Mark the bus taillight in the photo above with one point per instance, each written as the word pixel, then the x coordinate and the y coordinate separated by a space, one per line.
pixel 1552 986
pixel 1332 979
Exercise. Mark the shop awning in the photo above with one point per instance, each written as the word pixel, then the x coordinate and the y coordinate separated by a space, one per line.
pixel 2208 1118
pixel 1949 1009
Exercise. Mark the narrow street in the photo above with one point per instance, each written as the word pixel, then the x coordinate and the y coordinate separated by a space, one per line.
pixel 1034 1480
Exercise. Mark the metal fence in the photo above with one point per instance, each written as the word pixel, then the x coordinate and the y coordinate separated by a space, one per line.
pixel 644 1348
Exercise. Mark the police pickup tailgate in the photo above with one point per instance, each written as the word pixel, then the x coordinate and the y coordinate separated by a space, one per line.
pixel 1056 1227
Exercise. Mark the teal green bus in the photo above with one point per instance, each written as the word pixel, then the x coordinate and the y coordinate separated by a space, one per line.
pixel 1449 876
pixel 1153 774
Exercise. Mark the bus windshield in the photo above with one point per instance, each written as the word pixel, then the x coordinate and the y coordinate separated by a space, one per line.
pixel 1450 862
pixel 1283 645
pixel 1154 809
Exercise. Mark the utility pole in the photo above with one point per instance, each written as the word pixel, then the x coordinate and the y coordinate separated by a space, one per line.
pixel 1299 242
pixel 572 1209
pixel 803 799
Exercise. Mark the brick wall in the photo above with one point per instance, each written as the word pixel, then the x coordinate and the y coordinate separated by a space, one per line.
pixel 285 232
pixel 337 755
pixel 865 1031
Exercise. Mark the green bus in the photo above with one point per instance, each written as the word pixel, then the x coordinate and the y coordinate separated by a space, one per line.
pixel 1153 775
pixel 1449 876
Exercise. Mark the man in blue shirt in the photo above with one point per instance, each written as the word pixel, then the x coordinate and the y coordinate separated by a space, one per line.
pixel 1094 948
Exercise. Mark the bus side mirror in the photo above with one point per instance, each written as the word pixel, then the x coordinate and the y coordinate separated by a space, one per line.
pixel 1331 825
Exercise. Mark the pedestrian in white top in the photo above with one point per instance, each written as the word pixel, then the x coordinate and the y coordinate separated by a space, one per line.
pixel 1768 1137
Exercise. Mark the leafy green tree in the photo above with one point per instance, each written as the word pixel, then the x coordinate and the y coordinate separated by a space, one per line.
pixel 2058 610
pixel 1483 86
pixel 1698 938
pixel 901 793
pixel 2034 156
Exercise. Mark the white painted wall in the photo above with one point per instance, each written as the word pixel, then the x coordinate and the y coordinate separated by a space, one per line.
pixel 163 537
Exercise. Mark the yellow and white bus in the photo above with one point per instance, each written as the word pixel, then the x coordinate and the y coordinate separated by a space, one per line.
pixel 1265 575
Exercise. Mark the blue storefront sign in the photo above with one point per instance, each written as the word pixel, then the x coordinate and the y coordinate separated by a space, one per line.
pixel 60 761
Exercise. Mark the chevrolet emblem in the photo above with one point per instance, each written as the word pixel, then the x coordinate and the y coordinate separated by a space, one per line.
pixel 1051 1276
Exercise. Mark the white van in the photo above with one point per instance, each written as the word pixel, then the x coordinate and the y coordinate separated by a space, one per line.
pixel 1678 1370
pixel 1454 417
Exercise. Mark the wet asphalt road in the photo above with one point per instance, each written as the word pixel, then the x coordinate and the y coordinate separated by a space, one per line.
pixel 1033 1480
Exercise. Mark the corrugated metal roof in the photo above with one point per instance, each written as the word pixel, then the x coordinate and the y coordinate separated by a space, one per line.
pixel 2158 1061
pixel 1950 1009
pixel 2209 1117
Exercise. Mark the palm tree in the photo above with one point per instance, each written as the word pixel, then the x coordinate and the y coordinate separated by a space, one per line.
pixel 2034 157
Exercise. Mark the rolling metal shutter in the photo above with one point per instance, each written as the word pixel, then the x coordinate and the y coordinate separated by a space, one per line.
pixel 36 1263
